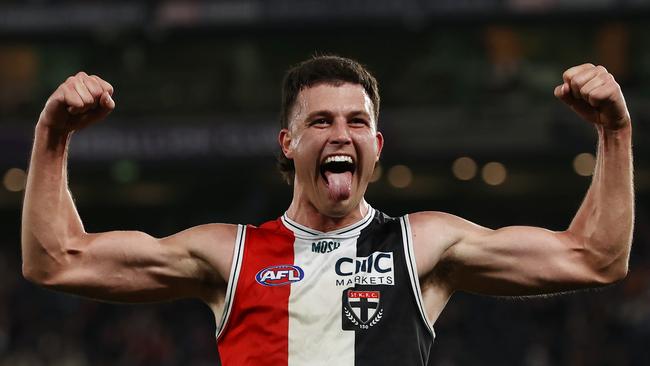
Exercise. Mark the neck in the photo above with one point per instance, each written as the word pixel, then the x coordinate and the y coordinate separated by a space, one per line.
pixel 304 212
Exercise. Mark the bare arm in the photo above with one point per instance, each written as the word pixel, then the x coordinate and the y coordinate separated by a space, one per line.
pixel 119 265
pixel 519 260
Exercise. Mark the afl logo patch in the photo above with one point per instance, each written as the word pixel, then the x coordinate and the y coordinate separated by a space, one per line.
pixel 279 275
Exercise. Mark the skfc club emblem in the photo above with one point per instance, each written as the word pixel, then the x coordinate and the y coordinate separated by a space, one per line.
pixel 361 309
pixel 279 275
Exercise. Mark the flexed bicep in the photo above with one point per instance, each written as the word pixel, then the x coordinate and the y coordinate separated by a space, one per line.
pixel 511 261
pixel 119 265
pixel 132 266
pixel 523 260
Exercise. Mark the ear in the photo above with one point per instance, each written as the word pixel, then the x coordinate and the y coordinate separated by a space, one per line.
pixel 380 144
pixel 284 139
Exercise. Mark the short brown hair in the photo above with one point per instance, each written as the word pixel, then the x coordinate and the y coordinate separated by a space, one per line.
pixel 327 69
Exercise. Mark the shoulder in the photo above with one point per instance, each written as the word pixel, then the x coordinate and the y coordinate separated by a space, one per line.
pixel 434 233
pixel 206 234
pixel 423 217
pixel 212 245
pixel 438 223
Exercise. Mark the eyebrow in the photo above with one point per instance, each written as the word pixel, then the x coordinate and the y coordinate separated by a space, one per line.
pixel 325 112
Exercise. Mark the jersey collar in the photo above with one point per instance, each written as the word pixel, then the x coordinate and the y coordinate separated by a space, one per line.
pixel 350 230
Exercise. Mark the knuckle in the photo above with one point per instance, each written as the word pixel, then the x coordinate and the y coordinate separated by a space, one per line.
pixel 81 73
pixel 94 80
pixel 93 86
pixel 76 102
pixel 601 69
pixel 103 83
pixel 68 89
pixel 613 91
pixel 592 94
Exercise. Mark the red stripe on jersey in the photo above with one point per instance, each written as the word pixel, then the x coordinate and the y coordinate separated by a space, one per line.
pixel 256 332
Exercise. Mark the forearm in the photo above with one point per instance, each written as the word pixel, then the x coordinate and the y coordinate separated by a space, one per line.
pixel 49 218
pixel 605 219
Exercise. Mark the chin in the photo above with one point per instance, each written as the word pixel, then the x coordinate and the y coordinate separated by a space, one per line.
pixel 339 209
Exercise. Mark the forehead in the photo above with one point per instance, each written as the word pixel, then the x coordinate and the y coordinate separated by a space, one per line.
pixel 341 99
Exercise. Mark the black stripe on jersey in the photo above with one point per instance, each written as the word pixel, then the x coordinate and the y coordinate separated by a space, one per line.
pixel 400 337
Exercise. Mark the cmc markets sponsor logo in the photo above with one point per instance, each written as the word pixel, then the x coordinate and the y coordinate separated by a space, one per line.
pixel 324 246
pixel 361 309
pixel 375 269
pixel 279 275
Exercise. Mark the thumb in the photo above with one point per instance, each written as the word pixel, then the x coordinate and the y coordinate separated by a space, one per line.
pixel 104 108
pixel 106 101
pixel 579 106
pixel 563 93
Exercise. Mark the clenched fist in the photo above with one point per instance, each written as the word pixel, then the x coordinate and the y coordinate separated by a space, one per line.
pixel 81 100
pixel 593 94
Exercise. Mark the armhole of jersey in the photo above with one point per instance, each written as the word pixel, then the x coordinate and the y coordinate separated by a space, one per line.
pixel 407 239
pixel 235 268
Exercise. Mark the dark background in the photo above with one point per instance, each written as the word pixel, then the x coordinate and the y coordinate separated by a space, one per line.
pixel 192 141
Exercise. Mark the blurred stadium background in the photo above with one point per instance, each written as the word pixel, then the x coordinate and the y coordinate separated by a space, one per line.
pixel 471 128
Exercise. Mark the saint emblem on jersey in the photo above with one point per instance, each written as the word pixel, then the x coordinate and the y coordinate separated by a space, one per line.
pixel 361 309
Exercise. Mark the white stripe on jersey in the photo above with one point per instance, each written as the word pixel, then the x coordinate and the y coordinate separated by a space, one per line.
pixel 316 336
pixel 237 254
pixel 409 254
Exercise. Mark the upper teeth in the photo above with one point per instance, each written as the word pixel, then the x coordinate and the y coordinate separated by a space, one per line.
pixel 338 159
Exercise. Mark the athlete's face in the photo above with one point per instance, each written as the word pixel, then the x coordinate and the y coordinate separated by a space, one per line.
pixel 334 143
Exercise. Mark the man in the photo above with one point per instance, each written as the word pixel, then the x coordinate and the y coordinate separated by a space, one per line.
pixel 332 281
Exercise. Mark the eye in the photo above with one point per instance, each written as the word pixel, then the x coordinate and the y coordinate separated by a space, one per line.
pixel 359 121
pixel 319 122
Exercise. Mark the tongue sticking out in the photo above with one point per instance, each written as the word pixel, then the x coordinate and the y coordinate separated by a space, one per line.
pixel 339 185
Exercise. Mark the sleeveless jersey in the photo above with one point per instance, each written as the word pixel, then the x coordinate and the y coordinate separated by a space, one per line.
pixel 297 296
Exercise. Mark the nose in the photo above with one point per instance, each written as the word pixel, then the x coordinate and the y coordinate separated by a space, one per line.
pixel 340 133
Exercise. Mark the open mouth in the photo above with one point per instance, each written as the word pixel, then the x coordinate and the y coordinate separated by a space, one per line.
pixel 337 171
pixel 336 164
